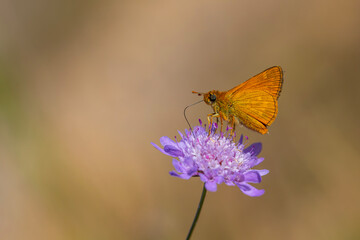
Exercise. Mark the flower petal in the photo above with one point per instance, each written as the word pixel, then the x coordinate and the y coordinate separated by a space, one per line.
pixel 173 151
pixel 256 161
pixel 177 166
pixel 174 174
pixel 252 176
pixel 159 148
pixel 189 166
pixel 203 177
pixel 183 176
pixel 167 141
pixel 241 139
pixel 262 172
pixel 219 179
pixel 211 186
pixel 254 148
pixel 189 161
pixel 181 135
pixel 229 183
pixel 250 190
pixel 191 171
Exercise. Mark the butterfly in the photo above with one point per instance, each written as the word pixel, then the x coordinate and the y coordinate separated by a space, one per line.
pixel 254 103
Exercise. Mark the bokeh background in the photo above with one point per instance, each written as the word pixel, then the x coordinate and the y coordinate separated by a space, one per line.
pixel 85 86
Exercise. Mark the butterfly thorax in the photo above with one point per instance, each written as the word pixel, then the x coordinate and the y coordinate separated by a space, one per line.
pixel 217 100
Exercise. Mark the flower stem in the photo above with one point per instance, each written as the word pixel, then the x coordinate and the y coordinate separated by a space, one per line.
pixel 197 213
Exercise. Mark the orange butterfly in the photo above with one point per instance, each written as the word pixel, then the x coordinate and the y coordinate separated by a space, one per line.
pixel 253 103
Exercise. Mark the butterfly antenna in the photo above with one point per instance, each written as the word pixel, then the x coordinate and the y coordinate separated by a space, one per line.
pixel 199 94
pixel 185 112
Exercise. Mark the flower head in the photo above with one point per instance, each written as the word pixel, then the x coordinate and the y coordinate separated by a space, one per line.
pixel 215 158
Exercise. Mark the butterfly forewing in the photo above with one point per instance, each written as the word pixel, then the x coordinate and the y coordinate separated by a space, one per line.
pixel 270 81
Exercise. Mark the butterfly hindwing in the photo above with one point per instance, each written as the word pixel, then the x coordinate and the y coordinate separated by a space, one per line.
pixel 255 109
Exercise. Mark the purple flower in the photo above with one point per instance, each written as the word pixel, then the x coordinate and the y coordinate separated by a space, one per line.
pixel 215 159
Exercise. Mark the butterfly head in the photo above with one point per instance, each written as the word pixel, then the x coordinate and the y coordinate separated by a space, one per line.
pixel 209 97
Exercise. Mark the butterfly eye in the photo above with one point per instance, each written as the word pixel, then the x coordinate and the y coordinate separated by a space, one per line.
pixel 212 97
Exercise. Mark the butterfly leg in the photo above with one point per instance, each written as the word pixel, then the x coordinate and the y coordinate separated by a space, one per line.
pixel 221 124
pixel 232 126
pixel 210 120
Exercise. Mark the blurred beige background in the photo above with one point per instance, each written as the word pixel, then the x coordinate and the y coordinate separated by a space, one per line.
pixel 85 86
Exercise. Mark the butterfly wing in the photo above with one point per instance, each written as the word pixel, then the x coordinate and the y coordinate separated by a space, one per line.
pixel 255 109
pixel 270 80
pixel 254 102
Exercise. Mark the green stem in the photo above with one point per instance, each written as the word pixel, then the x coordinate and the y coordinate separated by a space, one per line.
pixel 197 213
